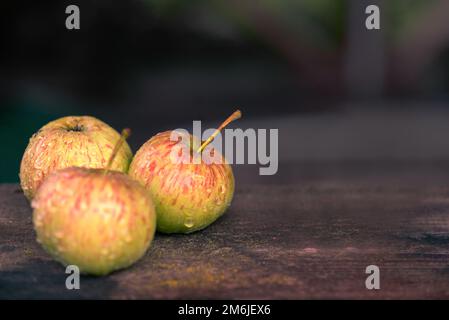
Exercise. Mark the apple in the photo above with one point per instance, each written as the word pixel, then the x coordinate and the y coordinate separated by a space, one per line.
pixel 81 141
pixel 97 219
pixel 188 196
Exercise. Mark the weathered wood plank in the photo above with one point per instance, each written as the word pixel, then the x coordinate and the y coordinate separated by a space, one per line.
pixel 310 239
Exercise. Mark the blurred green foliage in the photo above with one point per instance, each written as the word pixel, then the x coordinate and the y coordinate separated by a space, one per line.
pixel 403 14
pixel 321 22
pixel 324 17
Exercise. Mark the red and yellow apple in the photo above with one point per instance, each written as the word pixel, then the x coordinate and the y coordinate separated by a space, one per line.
pixel 80 141
pixel 96 219
pixel 188 195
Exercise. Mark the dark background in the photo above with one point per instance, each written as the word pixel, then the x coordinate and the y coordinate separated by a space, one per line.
pixel 363 139
pixel 337 92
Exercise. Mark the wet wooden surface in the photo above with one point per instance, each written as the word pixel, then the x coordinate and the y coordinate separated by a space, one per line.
pixel 309 233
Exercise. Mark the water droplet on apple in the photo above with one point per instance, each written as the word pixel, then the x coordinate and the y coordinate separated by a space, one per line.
pixel 83 206
pixel 39 163
pixel 38 174
pixel 59 234
pixel 189 223
pixel 62 201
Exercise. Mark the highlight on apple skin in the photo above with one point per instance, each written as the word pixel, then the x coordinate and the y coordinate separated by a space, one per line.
pixel 81 141
pixel 98 220
pixel 188 196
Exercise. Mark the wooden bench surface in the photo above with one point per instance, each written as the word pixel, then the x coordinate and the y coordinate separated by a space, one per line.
pixel 306 236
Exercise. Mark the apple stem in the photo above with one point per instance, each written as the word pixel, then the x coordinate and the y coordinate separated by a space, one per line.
pixel 236 115
pixel 123 136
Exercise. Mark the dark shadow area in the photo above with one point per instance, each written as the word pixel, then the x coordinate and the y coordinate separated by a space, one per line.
pixel 45 279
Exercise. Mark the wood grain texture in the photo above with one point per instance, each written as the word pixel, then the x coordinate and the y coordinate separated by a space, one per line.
pixel 312 238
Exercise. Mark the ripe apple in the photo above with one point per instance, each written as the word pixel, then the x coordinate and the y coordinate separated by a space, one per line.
pixel 80 141
pixel 188 196
pixel 96 219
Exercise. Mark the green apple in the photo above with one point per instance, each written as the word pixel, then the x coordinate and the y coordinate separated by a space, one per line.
pixel 188 196
pixel 96 219
pixel 80 141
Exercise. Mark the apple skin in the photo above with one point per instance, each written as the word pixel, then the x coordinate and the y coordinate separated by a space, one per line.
pixel 80 141
pixel 99 221
pixel 188 197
